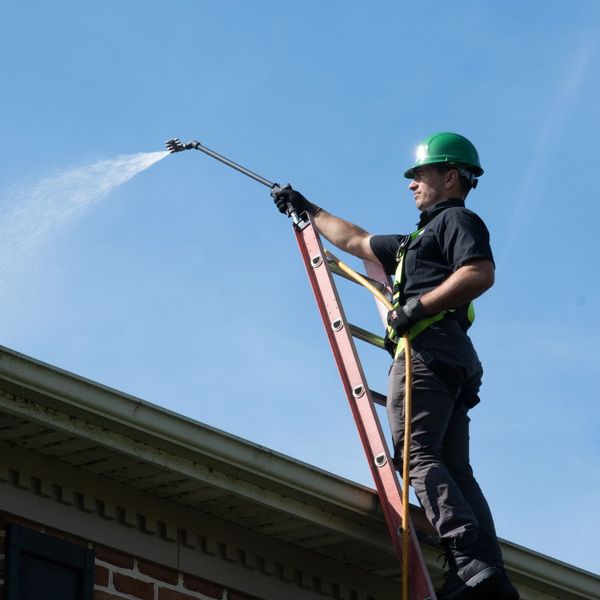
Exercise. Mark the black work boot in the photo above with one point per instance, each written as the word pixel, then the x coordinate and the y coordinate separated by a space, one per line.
pixel 505 591
pixel 473 579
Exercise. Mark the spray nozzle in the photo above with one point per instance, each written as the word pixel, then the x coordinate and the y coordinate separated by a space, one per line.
pixel 174 145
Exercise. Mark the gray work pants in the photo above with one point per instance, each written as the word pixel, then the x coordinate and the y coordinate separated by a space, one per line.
pixel 439 466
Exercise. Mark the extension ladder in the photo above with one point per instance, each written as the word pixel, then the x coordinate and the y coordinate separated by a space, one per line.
pixel 361 398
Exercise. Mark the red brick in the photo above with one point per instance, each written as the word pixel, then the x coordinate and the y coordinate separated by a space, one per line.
pixel 166 594
pixel 114 557
pixel 196 584
pixel 133 587
pixel 158 572
pixel 101 595
pixel 101 577
pixel 233 595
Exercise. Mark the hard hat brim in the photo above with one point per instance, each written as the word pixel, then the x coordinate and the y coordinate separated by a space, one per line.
pixel 477 171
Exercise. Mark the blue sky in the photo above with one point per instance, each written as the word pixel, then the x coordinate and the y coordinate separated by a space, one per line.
pixel 185 287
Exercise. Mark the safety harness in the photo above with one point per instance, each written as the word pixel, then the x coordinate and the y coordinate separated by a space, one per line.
pixel 391 337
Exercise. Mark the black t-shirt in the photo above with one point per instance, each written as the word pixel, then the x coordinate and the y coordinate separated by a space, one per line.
pixel 452 235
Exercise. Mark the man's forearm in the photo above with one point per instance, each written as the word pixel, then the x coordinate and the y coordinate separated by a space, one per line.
pixel 463 286
pixel 345 235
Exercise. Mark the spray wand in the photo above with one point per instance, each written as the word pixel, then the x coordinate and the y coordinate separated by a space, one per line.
pixel 174 145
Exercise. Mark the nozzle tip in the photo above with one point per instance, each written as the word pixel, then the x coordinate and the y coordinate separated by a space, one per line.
pixel 174 145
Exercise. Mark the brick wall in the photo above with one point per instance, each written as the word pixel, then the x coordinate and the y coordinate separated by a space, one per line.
pixel 121 576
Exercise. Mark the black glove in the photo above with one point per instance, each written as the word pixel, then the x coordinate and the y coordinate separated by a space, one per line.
pixel 404 317
pixel 285 196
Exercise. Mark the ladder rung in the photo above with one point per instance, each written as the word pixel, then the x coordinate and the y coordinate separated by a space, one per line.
pixel 378 398
pixel 366 336
pixel 377 284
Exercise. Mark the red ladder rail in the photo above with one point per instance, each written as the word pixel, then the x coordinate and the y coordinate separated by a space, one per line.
pixel 361 404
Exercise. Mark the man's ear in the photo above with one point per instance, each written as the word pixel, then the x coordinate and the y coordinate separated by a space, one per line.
pixel 451 178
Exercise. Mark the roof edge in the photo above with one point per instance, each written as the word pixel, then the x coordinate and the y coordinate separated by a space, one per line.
pixel 104 406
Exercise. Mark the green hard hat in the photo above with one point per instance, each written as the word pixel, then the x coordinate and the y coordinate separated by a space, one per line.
pixel 446 148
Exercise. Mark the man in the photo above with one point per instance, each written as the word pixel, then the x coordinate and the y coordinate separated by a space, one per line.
pixel 439 269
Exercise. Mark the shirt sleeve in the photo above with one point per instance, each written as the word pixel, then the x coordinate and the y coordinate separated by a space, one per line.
pixel 385 248
pixel 464 237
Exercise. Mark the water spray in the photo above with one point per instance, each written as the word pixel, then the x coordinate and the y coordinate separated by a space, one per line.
pixel 174 145
pixel 34 213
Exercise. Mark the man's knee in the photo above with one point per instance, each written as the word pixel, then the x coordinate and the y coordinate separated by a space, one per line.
pixel 459 468
pixel 421 460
